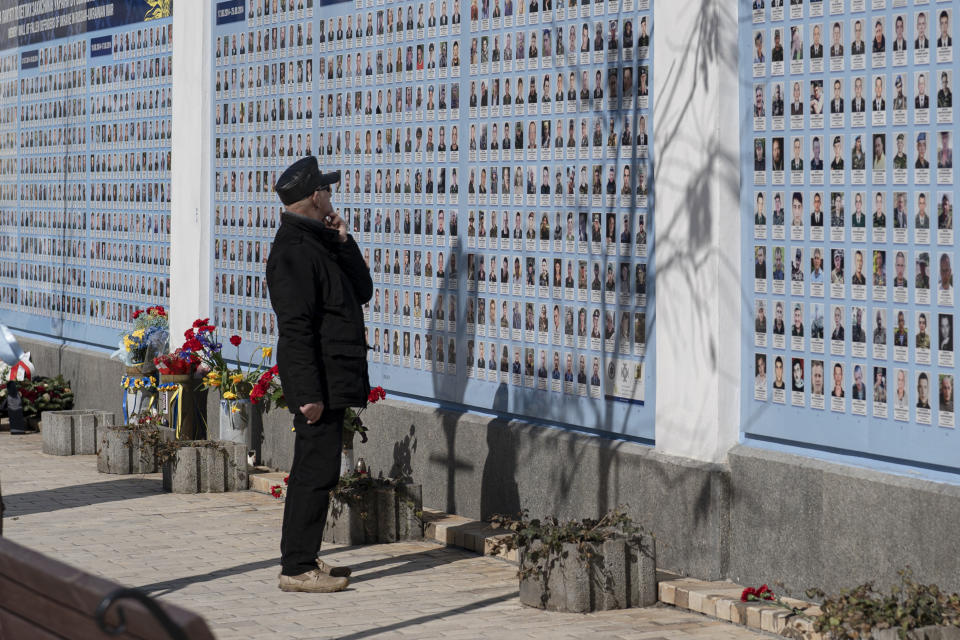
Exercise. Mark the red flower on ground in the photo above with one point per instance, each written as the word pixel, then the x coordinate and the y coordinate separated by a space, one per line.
pixel 286 479
pixel 750 593
pixel 235 340
pixel 276 491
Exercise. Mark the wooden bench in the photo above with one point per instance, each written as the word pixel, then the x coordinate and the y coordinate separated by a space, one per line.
pixel 44 599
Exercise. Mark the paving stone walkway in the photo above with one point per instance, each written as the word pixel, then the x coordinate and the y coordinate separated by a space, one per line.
pixel 217 554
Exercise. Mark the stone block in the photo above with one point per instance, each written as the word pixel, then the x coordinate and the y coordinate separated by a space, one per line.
pixel 345 522
pixel 614 592
pixel 409 509
pixel 383 515
pixel 58 433
pixel 576 594
pixel 724 606
pixel 73 432
pixel 668 592
pixel 124 451
pixel 207 467
pixel 643 571
pixel 386 521
pixel 618 574
pixel 753 616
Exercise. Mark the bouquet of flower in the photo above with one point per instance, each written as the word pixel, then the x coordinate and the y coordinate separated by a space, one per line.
pixel 178 363
pixel 147 338
pixel 256 383
pixel 42 394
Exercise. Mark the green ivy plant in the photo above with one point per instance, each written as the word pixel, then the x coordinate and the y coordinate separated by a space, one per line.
pixel 353 489
pixel 541 541
pixel 144 432
pixel 857 612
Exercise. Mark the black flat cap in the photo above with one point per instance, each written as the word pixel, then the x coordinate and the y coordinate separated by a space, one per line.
pixel 301 179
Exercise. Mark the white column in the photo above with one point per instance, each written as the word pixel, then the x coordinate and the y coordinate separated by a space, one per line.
pixel 697 227
pixel 190 167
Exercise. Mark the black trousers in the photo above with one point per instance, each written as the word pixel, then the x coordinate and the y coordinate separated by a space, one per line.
pixel 315 472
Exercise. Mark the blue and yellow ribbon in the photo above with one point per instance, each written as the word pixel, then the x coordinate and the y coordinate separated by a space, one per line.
pixel 135 384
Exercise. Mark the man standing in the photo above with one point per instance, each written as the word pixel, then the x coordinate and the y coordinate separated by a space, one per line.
pixel 318 282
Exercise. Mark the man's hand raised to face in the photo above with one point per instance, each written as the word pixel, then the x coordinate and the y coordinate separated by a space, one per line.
pixel 334 221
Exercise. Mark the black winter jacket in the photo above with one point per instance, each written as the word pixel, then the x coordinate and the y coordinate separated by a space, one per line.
pixel 317 287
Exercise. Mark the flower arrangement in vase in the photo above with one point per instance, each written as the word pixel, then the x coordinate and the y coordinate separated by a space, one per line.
pixel 259 384
pixel 147 338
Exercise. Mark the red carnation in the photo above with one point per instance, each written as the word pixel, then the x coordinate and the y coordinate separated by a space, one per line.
pixel 274 370
pixel 137 314
pixel 188 334
pixel 745 596
pixel 235 340
pixel 200 322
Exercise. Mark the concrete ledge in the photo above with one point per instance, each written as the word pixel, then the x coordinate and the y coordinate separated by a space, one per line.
pixel 263 482
pixel 721 599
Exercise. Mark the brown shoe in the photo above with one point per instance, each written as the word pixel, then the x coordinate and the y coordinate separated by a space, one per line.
pixel 331 570
pixel 313 582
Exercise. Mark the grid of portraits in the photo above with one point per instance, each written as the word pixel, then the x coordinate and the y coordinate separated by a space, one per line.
pixel 264 118
pixel 851 195
pixel 495 173
pixel 85 180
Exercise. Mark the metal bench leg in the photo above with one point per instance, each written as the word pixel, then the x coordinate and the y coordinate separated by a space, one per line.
pixel 172 629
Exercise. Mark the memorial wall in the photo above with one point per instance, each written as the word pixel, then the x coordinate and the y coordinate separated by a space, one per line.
pixel 496 174
pixel 84 165
pixel 848 188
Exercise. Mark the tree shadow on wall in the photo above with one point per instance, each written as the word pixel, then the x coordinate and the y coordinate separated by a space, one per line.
pixel 687 249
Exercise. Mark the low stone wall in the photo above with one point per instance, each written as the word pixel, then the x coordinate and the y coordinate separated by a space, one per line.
pixel 74 432
pixel 806 523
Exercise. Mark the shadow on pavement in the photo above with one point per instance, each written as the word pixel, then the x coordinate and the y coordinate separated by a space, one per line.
pixel 175 584
pixel 417 561
pixel 411 562
pixel 467 608
pixel 79 495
